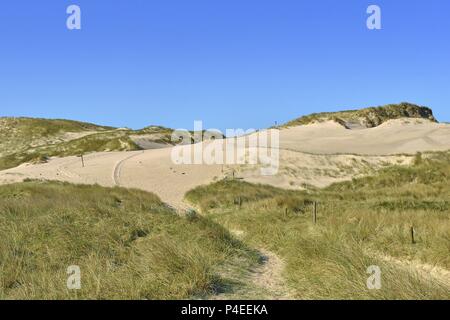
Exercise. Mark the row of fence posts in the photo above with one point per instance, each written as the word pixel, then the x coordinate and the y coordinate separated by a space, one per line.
pixel 286 210
pixel 238 201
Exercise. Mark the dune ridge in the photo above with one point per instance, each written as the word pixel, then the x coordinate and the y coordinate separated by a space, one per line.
pixel 317 154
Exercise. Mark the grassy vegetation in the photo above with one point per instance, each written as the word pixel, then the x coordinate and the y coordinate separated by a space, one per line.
pixel 46 127
pixel 21 133
pixel 361 223
pixel 369 117
pixel 97 142
pixel 35 140
pixel 24 140
pixel 128 244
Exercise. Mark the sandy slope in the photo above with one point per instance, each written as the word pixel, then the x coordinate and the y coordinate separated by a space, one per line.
pixel 154 170
pixel 392 137
pixel 150 170
pixel 317 154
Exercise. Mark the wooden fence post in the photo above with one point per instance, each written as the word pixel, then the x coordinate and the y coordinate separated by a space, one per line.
pixel 315 213
pixel 82 161
pixel 413 241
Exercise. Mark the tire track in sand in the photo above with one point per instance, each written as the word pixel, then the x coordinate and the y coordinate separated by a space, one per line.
pixel 118 167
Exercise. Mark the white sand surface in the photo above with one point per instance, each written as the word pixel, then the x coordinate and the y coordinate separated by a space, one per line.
pixel 392 137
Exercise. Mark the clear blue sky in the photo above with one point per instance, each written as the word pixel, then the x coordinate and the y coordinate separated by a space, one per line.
pixel 230 63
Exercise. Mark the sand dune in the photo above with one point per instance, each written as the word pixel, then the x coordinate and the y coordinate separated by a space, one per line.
pixel 392 137
pixel 316 154
pixel 150 170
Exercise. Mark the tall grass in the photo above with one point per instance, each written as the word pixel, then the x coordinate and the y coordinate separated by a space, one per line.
pixel 361 223
pixel 25 140
pixel 128 244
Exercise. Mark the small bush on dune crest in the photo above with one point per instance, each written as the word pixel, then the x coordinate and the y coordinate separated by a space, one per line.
pixel 369 117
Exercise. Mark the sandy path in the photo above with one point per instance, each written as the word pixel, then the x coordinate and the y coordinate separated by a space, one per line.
pixel 269 277
pixel 264 281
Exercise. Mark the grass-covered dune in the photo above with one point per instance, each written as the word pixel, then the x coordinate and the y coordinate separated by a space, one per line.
pixel 97 142
pixel 127 243
pixel 32 140
pixel 22 133
pixel 360 223
pixel 368 117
